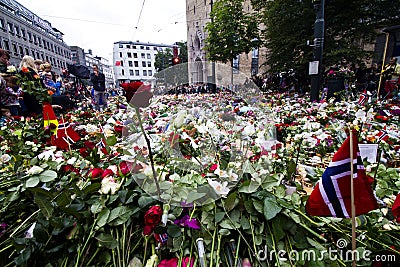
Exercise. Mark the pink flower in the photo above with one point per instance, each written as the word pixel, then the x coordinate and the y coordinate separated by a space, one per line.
pixel 186 262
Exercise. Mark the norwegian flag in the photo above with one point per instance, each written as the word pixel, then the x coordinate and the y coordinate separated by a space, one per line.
pixel 161 238
pixel 363 99
pixel 102 144
pixel 65 135
pixel 396 208
pixel 331 196
pixel 382 135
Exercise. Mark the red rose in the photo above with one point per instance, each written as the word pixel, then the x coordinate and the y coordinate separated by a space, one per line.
pixel 67 168
pixel 84 152
pixel 138 94
pixel 152 217
pixel 124 168
pixel 213 167
pixel 95 173
pixel 106 173
pixel 118 128
pixel 90 145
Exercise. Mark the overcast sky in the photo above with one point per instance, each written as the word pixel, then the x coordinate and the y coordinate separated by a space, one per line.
pixel 98 24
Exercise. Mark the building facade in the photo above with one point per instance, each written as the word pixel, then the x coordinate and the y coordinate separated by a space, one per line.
pixel 200 70
pixel 134 61
pixel 24 33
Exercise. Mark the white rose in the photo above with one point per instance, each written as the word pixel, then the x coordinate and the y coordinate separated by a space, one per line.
pixel 34 170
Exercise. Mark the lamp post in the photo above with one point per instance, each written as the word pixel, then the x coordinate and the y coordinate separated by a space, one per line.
pixel 319 29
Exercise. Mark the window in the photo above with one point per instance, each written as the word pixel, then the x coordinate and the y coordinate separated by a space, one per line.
pixel 144 72
pixel 120 54
pixel 149 64
pixel 147 48
pixel 14 47
pixel 133 46
pixel 141 47
pixel 136 64
pixel 2 23
pixel 26 51
pixel 143 55
pixel 136 72
pixel 143 63
pixel 6 45
pixel 23 34
pixel 17 30
pixel 37 55
pixel 121 46
pixel 129 54
pixel 30 37
pixel 150 73
pixel 21 50
pixel 148 56
pixel 155 48
pixel 10 27
pixel 40 41
pixel 122 63
pixel 130 72
pixel 123 72
pixel 34 39
pixel 134 55
pixel 128 46
pixel 130 63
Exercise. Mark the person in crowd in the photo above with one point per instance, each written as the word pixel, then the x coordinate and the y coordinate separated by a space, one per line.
pixel 4 60
pixel 391 74
pixel 10 94
pixel 98 81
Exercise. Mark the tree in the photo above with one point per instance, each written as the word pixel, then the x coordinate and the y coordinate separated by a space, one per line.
pixel 348 25
pixel 162 59
pixel 183 53
pixel 230 31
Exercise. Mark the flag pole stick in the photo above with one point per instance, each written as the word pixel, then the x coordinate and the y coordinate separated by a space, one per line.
pixel 383 63
pixel 353 207
pixel 66 135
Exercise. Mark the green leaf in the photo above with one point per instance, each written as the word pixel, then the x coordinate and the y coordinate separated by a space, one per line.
pixel 103 217
pixel 44 204
pixel 32 181
pixel 145 201
pixel 120 215
pixel 231 201
pixel 47 176
pixel 64 199
pixel 174 230
pixel 219 216
pixel 194 196
pixel 107 240
pixel 271 208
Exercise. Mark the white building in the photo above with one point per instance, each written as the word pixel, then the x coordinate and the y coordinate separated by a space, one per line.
pixel 134 61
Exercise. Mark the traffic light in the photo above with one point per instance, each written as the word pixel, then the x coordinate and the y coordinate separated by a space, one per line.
pixel 175 61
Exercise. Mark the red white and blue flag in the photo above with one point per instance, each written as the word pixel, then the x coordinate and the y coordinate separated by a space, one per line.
pixel 331 196
pixel 102 144
pixel 363 99
pixel 65 135
pixel 383 135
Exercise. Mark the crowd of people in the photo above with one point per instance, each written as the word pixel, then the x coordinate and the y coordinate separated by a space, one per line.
pixel 18 99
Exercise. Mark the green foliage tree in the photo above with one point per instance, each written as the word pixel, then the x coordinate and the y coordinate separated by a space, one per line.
pixel 162 59
pixel 348 25
pixel 183 52
pixel 230 31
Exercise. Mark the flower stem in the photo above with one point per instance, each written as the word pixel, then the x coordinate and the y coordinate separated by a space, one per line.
pixel 150 152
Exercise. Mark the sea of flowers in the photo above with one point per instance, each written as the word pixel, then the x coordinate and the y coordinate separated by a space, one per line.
pixel 191 180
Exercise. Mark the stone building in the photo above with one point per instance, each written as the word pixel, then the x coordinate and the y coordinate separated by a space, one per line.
pixel 200 69
pixel 24 33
